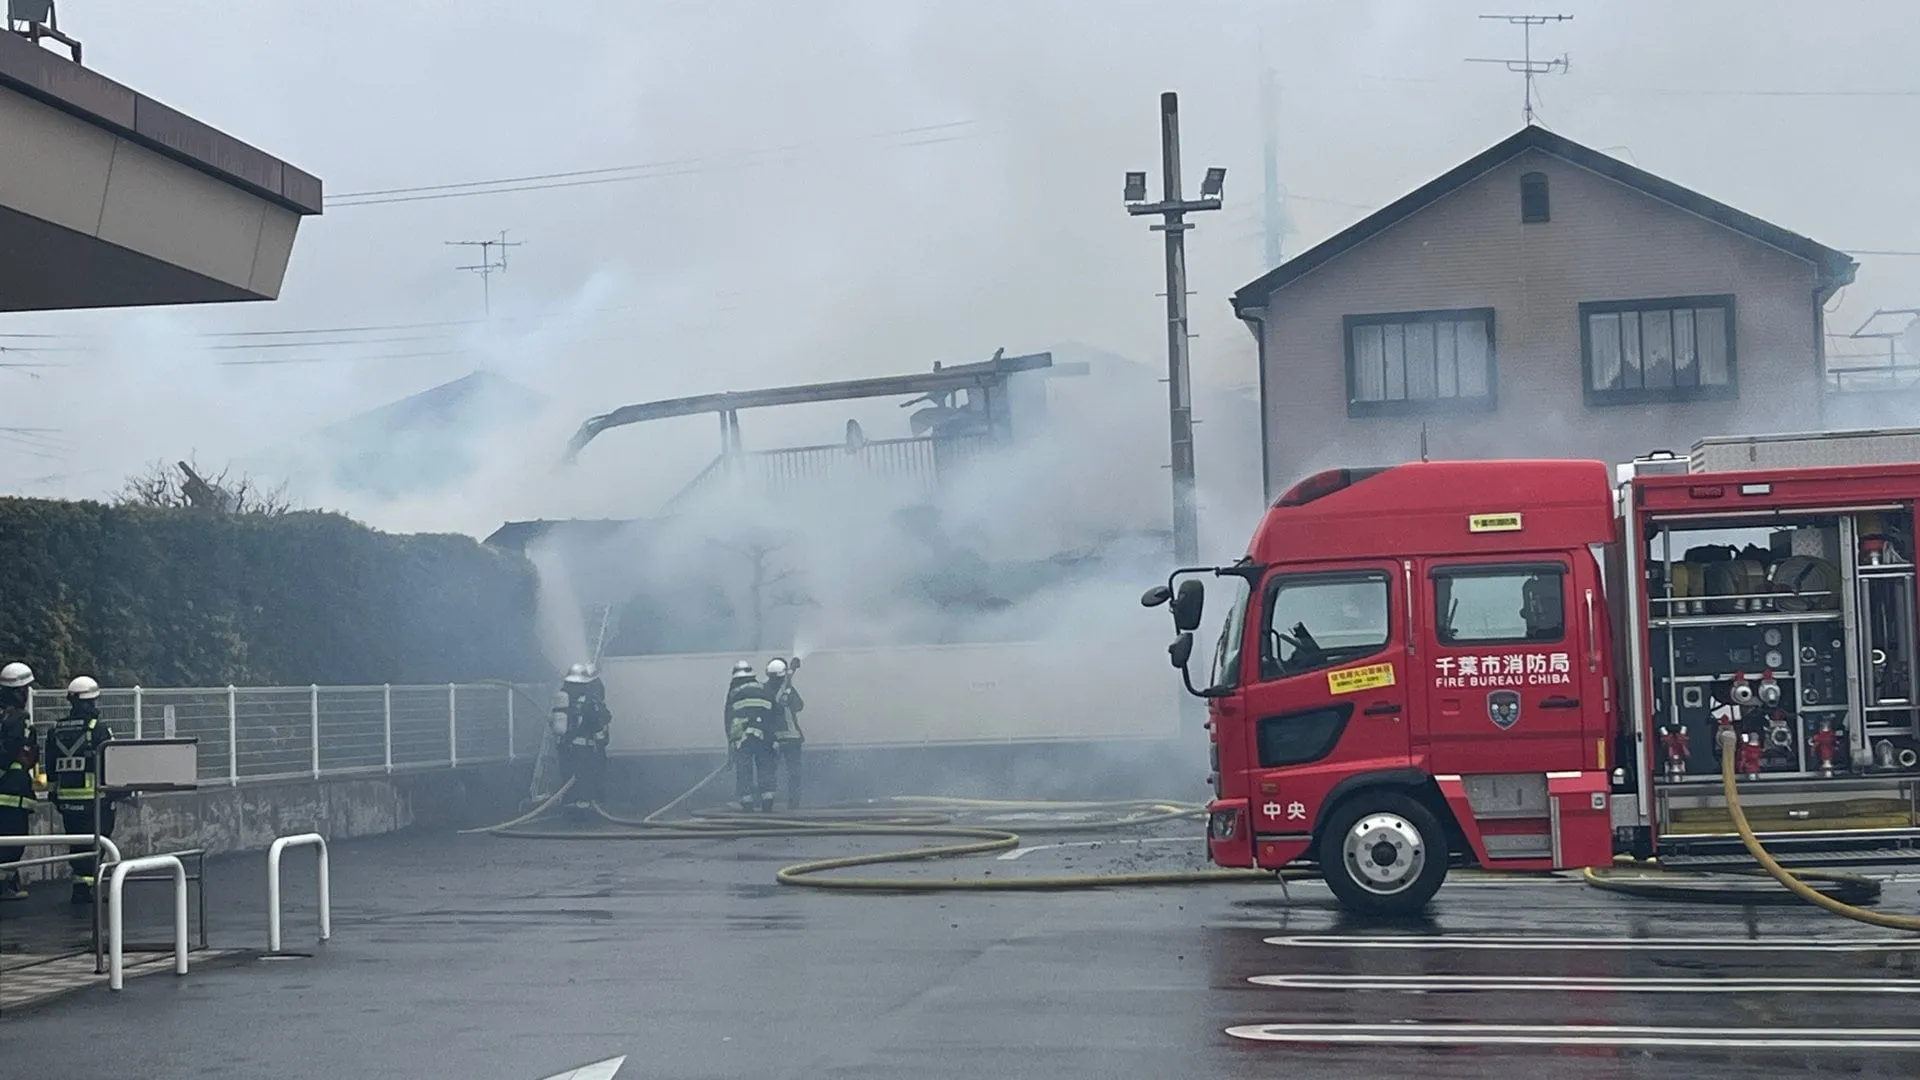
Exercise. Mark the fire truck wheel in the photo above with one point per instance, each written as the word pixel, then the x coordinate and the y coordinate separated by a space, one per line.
pixel 1383 852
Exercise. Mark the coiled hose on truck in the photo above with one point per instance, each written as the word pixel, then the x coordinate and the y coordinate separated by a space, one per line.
pixel 907 815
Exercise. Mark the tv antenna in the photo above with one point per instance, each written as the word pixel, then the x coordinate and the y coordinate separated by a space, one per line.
pixel 486 266
pixel 1527 65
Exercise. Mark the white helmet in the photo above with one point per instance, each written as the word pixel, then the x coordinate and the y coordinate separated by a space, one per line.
pixel 776 667
pixel 16 674
pixel 83 688
pixel 743 669
pixel 578 674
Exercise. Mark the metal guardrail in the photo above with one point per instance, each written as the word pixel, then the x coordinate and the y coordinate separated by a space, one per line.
pixel 279 848
pixel 258 733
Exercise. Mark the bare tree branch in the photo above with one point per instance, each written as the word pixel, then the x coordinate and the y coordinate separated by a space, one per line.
pixel 185 485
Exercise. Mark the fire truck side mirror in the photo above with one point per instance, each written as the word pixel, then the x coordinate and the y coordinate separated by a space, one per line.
pixel 1156 596
pixel 1188 602
pixel 1181 650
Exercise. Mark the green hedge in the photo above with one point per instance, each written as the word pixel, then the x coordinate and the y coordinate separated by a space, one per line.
pixel 184 598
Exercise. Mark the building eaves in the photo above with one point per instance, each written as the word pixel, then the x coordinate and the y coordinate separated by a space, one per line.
pixel 83 93
pixel 1836 268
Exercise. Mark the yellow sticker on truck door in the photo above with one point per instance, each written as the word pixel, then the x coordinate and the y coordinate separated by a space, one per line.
pixel 1353 680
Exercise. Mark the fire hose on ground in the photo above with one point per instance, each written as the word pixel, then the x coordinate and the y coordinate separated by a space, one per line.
pixel 930 817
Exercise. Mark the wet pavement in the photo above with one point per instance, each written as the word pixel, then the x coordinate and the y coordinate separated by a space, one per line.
pixel 492 959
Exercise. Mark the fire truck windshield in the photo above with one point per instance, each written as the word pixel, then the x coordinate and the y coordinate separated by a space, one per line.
pixel 1226 652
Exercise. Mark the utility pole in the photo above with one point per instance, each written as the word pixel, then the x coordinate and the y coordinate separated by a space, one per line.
pixel 486 266
pixel 1527 65
pixel 1173 210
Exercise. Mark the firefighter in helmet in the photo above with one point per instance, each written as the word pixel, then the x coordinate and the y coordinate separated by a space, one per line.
pixel 17 800
pixel 750 731
pixel 742 673
pixel 584 737
pixel 787 736
pixel 73 776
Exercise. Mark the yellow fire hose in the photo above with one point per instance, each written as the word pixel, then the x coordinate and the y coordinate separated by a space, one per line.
pixel 920 816
pixel 1841 884
pixel 1780 873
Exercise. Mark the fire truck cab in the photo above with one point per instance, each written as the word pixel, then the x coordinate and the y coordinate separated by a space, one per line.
pixel 1524 664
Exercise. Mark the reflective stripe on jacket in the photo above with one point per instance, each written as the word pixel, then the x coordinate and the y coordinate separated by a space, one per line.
pixel 16 787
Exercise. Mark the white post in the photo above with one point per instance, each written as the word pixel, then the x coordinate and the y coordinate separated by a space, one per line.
pixel 138 718
pixel 313 717
pixel 116 931
pixel 509 723
pixel 453 727
pixel 386 693
pixel 233 738
pixel 279 847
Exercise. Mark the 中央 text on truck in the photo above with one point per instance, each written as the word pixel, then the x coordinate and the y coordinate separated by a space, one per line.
pixel 1526 664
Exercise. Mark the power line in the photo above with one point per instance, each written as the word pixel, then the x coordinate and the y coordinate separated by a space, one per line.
pixel 607 175
pixel 665 164
pixel 355 329
pixel 329 341
pixel 277 361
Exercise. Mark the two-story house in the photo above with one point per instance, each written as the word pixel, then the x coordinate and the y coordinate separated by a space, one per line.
pixel 1540 300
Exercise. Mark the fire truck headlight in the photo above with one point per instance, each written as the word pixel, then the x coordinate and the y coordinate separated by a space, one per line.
pixel 1221 823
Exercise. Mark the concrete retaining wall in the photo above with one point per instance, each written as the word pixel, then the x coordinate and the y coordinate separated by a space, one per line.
pixel 249 817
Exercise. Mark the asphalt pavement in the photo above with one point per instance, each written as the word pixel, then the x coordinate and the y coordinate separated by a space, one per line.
pixel 492 959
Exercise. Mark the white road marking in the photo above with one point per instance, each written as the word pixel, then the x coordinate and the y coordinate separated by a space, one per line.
pixel 1414 1033
pixel 1463 941
pixel 1429 983
pixel 599 1070
pixel 1009 856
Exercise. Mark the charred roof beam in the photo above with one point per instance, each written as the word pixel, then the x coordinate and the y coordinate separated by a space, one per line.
pixel 985 375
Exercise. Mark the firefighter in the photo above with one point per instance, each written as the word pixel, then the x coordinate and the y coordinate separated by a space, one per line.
pixel 73 776
pixel 750 717
pixel 583 745
pixel 17 799
pixel 787 736
pixel 742 673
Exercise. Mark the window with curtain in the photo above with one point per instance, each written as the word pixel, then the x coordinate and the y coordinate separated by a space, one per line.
pixel 1673 349
pixel 1420 361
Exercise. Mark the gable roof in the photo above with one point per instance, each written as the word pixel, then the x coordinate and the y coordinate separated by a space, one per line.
pixel 1835 268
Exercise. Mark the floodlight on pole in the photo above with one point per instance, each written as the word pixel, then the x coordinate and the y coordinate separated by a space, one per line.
pixel 1172 210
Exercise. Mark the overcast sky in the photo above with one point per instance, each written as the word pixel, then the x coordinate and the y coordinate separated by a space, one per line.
pixel 861 188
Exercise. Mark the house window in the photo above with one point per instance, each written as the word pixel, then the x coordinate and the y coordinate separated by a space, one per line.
pixel 1533 197
pixel 1675 349
pixel 1420 361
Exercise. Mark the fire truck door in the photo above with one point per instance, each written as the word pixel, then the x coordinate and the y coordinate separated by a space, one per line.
pixel 1503 645
pixel 1330 694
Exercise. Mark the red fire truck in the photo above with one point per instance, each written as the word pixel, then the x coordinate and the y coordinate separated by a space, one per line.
pixel 1525 665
